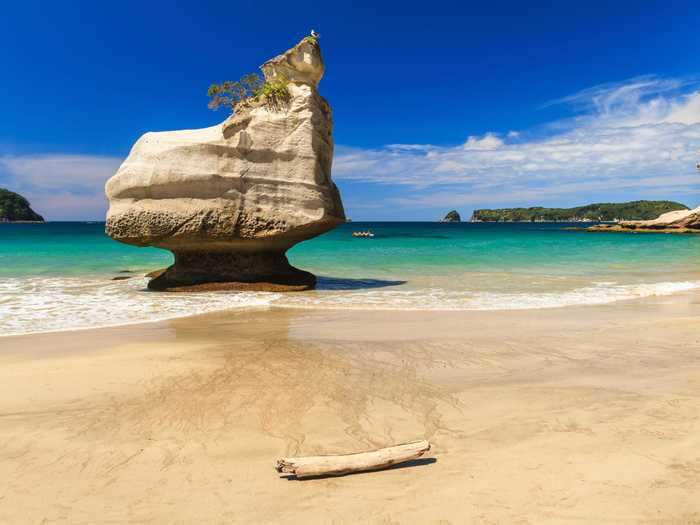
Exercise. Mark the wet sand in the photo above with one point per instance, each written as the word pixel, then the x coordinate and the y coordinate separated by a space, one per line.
pixel 571 415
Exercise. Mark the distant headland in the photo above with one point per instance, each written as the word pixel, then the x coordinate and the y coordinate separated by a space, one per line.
pixel 452 216
pixel 15 208
pixel 599 212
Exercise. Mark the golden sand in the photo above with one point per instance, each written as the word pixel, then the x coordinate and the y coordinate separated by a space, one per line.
pixel 572 415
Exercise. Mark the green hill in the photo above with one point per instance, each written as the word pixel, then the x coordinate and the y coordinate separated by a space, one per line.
pixel 14 207
pixel 452 216
pixel 635 210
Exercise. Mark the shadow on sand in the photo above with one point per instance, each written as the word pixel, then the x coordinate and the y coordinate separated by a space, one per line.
pixel 335 283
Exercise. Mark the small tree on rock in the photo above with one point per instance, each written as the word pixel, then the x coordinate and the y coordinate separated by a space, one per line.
pixel 230 92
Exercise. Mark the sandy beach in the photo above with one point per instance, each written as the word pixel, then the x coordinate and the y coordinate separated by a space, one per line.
pixel 569 415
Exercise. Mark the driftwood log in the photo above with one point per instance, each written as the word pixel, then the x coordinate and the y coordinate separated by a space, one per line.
pixel 338 465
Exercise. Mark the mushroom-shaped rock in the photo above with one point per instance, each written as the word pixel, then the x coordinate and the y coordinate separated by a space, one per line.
pixel 231 199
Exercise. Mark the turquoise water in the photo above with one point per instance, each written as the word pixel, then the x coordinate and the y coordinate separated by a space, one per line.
pixel 401 249
pixel 397 250
pixel 58 275
pixel 69 249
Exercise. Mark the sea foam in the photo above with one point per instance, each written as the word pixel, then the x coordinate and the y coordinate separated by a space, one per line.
pixel 32 305
pixel 451 300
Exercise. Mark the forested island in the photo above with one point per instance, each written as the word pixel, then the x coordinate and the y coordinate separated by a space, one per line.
pixel 599 212
pixel 15 208
pixel 452 216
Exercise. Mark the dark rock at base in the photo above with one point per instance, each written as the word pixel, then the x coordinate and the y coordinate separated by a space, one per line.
pixel 210 271
pixel 233 286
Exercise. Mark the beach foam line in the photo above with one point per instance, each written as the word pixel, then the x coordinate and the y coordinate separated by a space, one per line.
pixel 438 299
pixel 40 305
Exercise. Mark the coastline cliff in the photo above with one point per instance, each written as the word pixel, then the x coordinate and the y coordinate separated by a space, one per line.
pixel 15 208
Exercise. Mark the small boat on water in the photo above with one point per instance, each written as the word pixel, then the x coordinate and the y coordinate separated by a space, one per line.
pixel 367 233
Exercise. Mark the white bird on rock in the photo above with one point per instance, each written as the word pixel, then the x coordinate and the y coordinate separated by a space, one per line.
pixel 315 34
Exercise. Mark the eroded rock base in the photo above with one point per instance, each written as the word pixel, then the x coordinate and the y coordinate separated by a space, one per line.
pixel 213 271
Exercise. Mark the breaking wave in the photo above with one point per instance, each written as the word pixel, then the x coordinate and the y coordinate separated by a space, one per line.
pixel 33 305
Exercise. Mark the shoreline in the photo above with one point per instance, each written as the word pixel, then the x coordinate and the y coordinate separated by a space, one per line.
pixel 417 267
pixel 682 297
pixel 365 309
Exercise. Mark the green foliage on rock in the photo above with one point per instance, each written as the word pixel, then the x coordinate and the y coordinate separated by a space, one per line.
pixel 635 210
pixel 14 207
pixel 275 92
pixel 230 93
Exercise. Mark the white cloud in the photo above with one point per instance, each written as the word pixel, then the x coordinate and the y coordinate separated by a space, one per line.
pixel 486 143
pixel 60 187
pixel 639 137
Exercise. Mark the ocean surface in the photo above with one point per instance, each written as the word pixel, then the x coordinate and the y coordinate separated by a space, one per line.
pixel 58 276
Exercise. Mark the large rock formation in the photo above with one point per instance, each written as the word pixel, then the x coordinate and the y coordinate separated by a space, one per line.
pixel 680 221
pixel 231 199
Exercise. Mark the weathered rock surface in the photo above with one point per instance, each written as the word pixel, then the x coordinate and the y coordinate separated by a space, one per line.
pixel 231 199
pixel 680 221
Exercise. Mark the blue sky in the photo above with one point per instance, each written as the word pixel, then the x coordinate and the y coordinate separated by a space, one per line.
pixel 466 105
